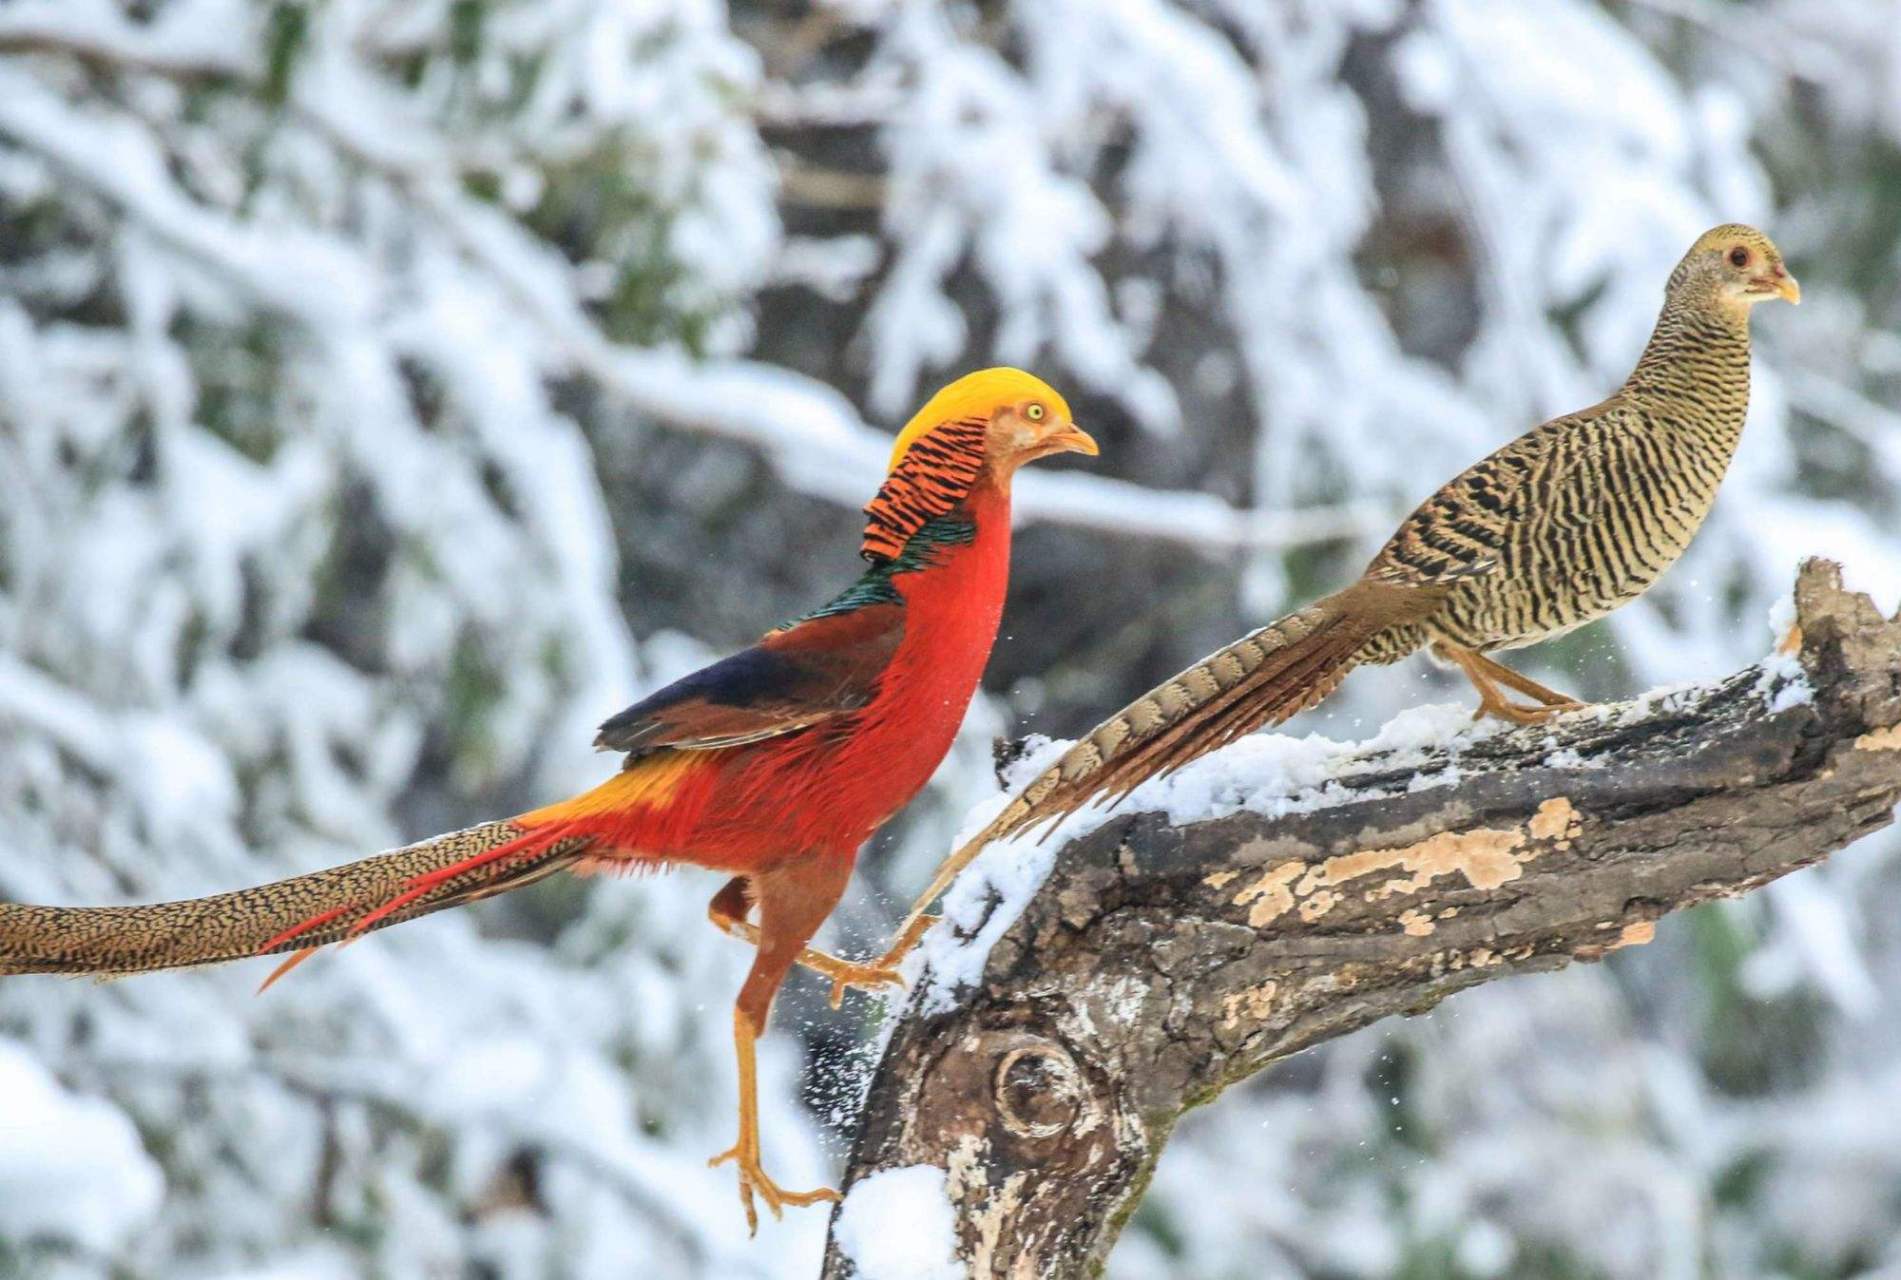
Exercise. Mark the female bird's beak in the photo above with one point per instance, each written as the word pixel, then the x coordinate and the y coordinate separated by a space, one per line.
pixel 1072 439
pixel 1780 283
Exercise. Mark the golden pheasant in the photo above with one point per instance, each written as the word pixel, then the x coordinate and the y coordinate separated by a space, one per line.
pixel 1557 528
pixel 773 765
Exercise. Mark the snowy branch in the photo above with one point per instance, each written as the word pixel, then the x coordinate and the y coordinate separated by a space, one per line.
pixel 815 438
pixel 1167 956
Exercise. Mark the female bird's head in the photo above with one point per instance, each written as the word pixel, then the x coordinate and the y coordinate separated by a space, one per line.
pixel 977 430
pixel 1733 267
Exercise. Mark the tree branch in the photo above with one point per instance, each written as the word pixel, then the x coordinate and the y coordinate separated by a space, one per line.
pixel 1157 964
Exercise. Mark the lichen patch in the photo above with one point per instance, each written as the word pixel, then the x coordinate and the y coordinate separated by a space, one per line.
pixel 1253 1003
pixel 1888 739
pixel 1219 879
pixel 1312 908
pixel 1556 820
pixel 1487 857
pixel 1271 894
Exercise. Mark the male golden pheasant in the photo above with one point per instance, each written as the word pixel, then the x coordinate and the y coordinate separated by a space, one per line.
pixel 775 764
pixel 1564 524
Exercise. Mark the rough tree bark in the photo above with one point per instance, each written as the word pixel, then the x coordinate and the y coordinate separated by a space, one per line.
pixel 1157 965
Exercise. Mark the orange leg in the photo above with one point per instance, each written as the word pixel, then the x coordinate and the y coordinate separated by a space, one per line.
pixel 728 911
pixel 793 901
pixel 1526 685
pixel 1486 675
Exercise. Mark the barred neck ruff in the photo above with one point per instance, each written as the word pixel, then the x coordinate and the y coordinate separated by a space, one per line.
pixel 1694 373
pixel 936 474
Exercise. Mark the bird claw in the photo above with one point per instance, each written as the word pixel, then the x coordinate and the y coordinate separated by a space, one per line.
pixel 1502 709
pixel 864 977
pixel 752 1179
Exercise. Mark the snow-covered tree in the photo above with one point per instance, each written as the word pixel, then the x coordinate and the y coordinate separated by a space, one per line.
pixel 391 389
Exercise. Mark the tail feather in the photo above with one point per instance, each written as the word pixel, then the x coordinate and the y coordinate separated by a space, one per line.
pixel 297 914
pixel 1261 679
pixel 1290 681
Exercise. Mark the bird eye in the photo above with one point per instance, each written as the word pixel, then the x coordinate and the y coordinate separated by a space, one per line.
pixel 1739 257
pixel 1034 413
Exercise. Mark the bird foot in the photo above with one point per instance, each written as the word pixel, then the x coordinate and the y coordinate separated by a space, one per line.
pixel 882 972
pixel 862 976
pixel 753 1179
pixel 1502 709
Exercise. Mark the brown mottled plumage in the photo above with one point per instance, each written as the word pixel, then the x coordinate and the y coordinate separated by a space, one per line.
pixel 109 941
pixel 1559 527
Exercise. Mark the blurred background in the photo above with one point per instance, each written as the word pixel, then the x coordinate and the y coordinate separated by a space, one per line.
pixel 392 389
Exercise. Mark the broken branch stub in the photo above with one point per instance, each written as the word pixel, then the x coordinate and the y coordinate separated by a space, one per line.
pixel 1158 964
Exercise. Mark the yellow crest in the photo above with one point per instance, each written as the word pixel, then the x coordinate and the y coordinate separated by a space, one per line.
pixel 976 395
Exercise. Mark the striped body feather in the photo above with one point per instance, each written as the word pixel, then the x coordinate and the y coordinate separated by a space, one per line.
pixel 1557 528
pixel 1583 514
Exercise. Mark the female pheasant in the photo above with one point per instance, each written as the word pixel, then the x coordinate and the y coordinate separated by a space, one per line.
pixel 774 765
pixel 1571 520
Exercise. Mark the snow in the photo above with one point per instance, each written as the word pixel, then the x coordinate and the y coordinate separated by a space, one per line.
pixel 313 506
pixel 1784 684
pixel 976 911
pixel 898 1224
pixel 72 1168
pixel 1279 774
pixel 1270 774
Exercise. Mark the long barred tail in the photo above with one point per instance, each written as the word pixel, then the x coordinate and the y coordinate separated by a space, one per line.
pixel 298 914
pixel 1261 679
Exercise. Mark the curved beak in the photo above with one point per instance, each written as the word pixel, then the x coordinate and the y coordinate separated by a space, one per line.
pixel 1780 283
pixel 1072 439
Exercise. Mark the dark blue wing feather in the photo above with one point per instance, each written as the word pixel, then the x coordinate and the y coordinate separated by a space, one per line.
pixel 809 673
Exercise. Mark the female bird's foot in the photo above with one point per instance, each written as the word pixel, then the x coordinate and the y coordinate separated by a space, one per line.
pixel 1486 676
pixel 1504 709
pixel 752 1179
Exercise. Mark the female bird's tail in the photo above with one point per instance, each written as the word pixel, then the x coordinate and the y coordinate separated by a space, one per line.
pixel 1261 679
pixel 299 914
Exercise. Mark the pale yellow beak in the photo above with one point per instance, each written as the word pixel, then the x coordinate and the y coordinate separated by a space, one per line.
pixel 1780 283
pixel 1073 439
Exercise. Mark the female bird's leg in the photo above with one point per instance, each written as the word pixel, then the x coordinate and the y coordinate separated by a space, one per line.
pixel 794 900
pixel 1526 685
pixel 1487 675
pixel 728 911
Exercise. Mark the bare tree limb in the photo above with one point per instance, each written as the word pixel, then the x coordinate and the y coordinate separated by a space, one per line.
pixel 1159 964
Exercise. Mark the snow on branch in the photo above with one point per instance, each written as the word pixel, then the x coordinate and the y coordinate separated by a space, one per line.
pixel 1167 955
